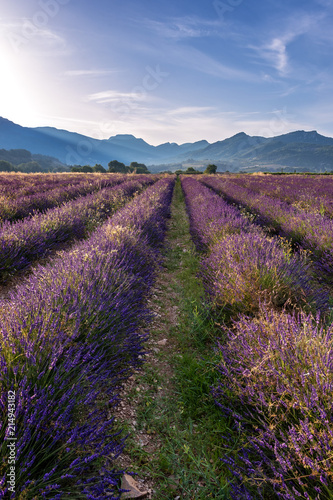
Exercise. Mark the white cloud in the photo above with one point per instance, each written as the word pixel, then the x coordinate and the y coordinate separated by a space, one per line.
pixel 278 48
pixel 275 50
pixel 90 72
pixel 190 110
pixel 114 96
pixel 275 53
pixel 108 96
pixel 184 27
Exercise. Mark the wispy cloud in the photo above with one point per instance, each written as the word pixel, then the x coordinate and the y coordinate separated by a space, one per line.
pixel 183 27
pixel 49 39
pixel 190 110
pixel 275 50
pixel 23 34
pixel 90 72
pixel 198 60
pixel 278 50
pixel 113 96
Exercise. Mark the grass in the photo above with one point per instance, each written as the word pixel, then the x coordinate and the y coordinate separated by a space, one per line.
pixel 180 413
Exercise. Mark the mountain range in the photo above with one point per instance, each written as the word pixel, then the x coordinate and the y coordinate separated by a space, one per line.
pixel 297 150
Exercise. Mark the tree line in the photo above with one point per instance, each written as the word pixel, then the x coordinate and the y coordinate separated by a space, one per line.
pixel 210 169
pixel 114 166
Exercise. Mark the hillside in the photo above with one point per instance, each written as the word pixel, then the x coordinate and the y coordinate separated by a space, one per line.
pixel 22 158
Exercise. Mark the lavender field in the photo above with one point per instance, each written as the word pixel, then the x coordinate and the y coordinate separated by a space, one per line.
pixel 80 255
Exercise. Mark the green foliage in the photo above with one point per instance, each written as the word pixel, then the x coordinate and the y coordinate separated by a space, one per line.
pixel 87 169
pixel 191 170
pixel 21 157
pixel 117 167
pixel 15 156
pixel 30 167
pixel 6 166
pixel 135 168
pixel 99 168
pixel 76 168
pixel 211 169
pixel 138 168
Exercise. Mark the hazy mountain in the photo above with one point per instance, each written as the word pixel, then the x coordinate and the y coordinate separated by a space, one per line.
pixel 299 149
pixel 168 149
pixel 305 137
pixel 72 148
pixel 296 149
pixel 228 149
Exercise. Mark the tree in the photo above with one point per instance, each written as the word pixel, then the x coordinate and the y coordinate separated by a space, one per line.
pixel 191 170
pixel 87 169
pixel 211 169
pixel 6 166
pixel 138 168
pixel 76 168
pixel 117 166
pixel 30 167
pixel 99 168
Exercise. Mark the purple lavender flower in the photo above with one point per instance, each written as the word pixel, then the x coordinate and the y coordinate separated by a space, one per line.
pixel 70 332
pixel 34 237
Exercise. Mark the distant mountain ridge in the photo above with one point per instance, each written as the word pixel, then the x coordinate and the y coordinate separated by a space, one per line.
pixel 299 149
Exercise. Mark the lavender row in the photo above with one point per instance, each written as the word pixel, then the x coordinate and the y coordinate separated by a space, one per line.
pixel 25 241
pixel 12 208
pixel 276 368
pixel 277 385
pixel 311 193
pixel 70 334
pixel 215 219
pixel 310 231
pixel 17 185
pixel 244 267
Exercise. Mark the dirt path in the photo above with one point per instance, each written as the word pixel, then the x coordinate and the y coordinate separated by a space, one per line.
pixel 147 391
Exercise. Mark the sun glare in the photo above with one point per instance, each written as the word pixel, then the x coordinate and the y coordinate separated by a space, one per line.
pixel 16 94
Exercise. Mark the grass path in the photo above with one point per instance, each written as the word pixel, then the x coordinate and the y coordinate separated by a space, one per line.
pixel 175 430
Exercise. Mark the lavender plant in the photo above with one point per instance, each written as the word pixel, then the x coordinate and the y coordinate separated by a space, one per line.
pixel 310 231
pixel 276 366
pixel 244 270
pixel 16 185
pixel 311 193
pixel 24 241
pixel 48 192
pixel 244 266
pixel 215 218
pixel 277 384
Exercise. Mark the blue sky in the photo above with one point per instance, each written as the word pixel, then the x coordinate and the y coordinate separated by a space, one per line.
pixel 175 71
